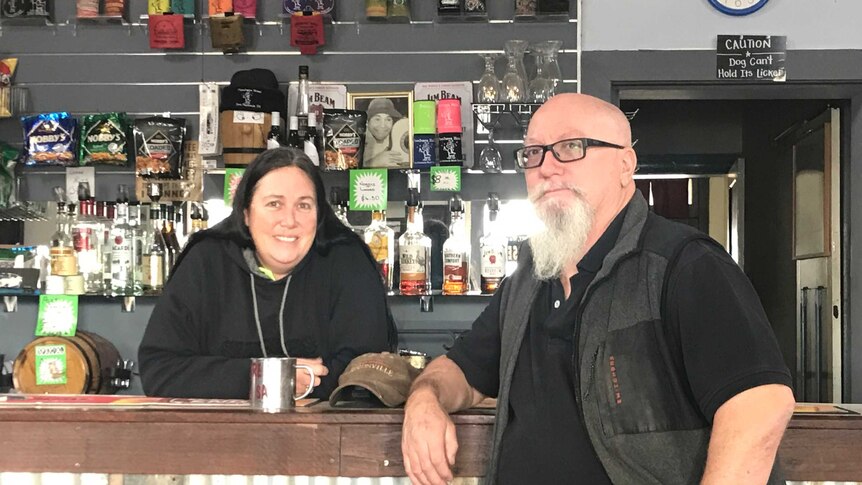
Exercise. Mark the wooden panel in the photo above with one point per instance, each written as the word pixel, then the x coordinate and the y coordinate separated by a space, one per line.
pixel 822 454
pixel 161 448
pixel 372 451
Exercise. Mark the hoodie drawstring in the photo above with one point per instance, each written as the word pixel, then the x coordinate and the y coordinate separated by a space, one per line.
pixel 280 316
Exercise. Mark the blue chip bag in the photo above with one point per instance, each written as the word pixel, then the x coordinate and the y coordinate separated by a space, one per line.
pixel 50 139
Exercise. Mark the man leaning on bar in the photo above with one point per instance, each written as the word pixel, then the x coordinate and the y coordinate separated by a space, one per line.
pixel 625 349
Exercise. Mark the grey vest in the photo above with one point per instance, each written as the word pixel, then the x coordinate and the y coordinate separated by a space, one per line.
pixel 637 406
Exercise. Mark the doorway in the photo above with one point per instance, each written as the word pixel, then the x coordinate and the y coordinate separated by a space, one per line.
pixel 749 162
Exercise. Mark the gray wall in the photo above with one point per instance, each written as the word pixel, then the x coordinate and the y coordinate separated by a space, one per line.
pixel 693 24
pixel 85 68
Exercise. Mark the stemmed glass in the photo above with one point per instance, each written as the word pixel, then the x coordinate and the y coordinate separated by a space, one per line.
pixel 489 85
pixel 515 80
pixel 491 160
pixel 541 88
pixel 550 51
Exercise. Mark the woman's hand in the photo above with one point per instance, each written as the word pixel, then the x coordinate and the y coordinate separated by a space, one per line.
pixel 302 376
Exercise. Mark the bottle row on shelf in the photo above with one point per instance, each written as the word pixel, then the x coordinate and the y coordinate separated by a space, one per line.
pixel 117 248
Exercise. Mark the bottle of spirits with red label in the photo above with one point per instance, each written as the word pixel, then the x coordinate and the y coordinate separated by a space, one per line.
pixel 87 237
pixel 456 252
pixel 492 247
pixel 381 241
pixel 414 252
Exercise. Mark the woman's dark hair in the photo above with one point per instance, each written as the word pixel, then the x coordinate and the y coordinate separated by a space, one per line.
pixel 330 230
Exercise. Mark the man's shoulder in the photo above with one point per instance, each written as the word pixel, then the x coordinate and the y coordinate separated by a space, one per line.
pixel 668 238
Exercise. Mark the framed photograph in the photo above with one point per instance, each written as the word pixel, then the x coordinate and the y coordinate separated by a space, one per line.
pixel 389 134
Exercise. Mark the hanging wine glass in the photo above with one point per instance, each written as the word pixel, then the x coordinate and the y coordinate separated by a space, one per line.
pixel 489 85
pixel 550 51
pixel 515 80
pixel 540 87
pixel 491 160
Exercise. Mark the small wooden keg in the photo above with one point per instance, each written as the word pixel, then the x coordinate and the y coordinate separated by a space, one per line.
pixel 243 137
pixel 90 361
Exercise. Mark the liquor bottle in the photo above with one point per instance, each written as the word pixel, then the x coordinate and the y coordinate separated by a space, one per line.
pixel 493 250
pixel 338 201
pixel 311 144
pixel 196 218
pixel 205 218
pixel 293 140
pixel 414 251
pixel 273 138
pixel 456 252
pixel 122 254
pixel 153 263
pixel 302 103
pixel 139 244
pixel 381 241
pixel 88 237
pixel 64 261
pixel 180 233
pixel 170 237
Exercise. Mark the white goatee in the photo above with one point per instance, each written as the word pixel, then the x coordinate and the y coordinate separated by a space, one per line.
pixel 566 229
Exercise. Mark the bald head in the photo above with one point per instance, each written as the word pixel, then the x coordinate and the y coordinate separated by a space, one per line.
pixel 583 116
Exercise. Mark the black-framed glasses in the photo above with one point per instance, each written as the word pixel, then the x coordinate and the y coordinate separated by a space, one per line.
pixel 571 150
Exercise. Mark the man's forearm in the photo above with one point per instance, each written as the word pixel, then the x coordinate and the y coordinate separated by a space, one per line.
pixel 746 433
pixel 445 380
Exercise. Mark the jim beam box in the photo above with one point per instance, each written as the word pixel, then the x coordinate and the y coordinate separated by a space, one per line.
pixel 462 91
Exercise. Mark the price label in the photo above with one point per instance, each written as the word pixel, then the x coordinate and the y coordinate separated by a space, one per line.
pixel 58 315
pixel 446 179
pixel 369 189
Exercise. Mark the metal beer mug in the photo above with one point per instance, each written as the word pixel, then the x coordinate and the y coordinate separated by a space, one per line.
pixel 273 380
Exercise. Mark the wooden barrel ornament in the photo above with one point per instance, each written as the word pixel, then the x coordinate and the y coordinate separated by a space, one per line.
pixel 90 361
pixel 242 139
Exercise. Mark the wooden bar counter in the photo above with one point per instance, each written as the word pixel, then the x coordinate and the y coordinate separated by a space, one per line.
pixel 823 442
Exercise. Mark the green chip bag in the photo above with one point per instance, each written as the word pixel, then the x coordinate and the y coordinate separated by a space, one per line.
pixel 104 139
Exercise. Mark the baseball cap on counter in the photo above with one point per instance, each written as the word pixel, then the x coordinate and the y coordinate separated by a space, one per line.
pixel 373 378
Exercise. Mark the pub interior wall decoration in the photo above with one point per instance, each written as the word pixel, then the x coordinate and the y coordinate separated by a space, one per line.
pixel 738 7
pixel 389 136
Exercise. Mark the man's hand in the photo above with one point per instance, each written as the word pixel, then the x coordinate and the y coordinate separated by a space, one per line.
pixel 428 440
pixel 303 378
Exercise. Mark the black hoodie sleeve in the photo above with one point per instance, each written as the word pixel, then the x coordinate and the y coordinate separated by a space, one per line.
pixel 358 319
pixel 172 356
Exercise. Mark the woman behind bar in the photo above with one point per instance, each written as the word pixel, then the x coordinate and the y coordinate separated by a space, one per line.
pixel 280 276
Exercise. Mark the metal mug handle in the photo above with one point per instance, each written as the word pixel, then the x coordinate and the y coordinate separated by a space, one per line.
pixel 310 382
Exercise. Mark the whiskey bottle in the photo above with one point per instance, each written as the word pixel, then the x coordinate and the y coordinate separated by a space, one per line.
pixel 273 138
pixel 414 251
pixel 64 261
pixel 381 241
pixel 456 252
pixel 492 247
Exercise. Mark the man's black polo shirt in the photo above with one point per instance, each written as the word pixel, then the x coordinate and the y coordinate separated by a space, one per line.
pixel 725 338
